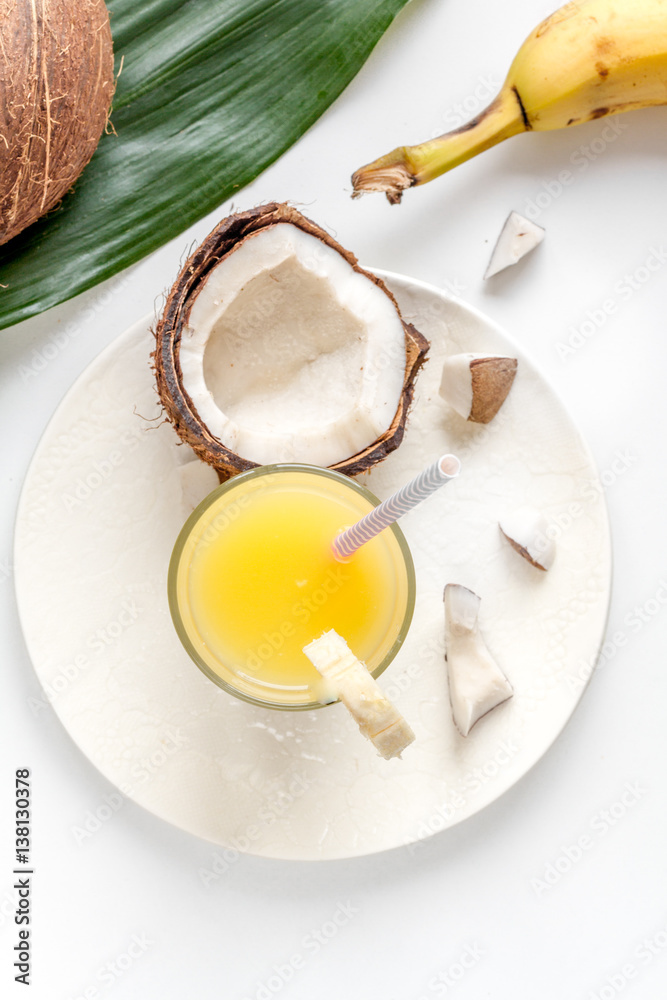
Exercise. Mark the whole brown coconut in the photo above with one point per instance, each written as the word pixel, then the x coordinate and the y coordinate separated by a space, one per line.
pixel 56 85
pixel 179 407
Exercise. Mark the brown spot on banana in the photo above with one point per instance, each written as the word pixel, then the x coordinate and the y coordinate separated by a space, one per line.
pixel 526 120
pixel 474 122
pixel 599 113
pixel 602 70
pixel 605 45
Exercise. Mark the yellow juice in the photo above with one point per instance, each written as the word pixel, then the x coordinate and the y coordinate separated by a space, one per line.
pixel 253 580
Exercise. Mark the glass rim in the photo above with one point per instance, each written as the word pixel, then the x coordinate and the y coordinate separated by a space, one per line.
pixel 212 498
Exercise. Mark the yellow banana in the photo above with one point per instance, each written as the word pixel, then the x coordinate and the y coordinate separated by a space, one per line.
pixel 587 60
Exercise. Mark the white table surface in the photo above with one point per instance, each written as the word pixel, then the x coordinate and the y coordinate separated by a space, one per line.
pixel 558 889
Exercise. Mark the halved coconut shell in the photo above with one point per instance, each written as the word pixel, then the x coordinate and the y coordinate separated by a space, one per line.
pixel 174 330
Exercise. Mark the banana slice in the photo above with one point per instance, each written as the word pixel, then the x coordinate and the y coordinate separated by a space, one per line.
pixel 377 718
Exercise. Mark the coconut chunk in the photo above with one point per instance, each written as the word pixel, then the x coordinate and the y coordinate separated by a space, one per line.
pixel 526 531
pixel 476 682
pixel 476 385
pixel 378 720
pixel 517 238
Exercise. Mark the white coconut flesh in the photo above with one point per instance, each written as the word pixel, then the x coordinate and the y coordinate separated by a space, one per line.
pixel 456 383
pixel 290 354
pixel 517 238
pixel 527 531
pixel 476 683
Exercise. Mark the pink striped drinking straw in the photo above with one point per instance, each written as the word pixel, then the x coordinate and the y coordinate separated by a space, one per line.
pixel 427 482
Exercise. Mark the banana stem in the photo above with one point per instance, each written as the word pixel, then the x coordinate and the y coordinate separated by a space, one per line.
pixel 408 166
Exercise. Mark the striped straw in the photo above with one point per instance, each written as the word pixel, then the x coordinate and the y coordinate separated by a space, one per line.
pixel 421 487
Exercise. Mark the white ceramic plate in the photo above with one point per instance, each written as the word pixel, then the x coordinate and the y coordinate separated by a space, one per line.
pixel 101 508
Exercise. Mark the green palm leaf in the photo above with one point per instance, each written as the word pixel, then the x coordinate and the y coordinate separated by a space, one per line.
pixel 211 92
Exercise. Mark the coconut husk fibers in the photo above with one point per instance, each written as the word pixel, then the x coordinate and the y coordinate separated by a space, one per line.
pixel 178 405
pixel 56 85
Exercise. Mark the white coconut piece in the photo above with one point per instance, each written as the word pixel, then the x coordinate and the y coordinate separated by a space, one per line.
pixel 378 720
pixel 197 481
pixel 292 354
pixel 476 682
pixel 456 383
pixel 526 531
pixel 477 385
pixel 517 238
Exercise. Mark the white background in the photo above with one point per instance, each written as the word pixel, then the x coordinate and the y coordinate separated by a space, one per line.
pixel 498 890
